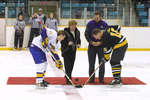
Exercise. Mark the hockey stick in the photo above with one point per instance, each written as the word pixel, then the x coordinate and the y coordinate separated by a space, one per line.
pixel 69 79
pixel 76 86
pixel 91 75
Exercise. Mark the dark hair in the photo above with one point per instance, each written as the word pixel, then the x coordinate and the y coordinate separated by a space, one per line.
pixel 96 31
pixel 20 15
pixel 61 32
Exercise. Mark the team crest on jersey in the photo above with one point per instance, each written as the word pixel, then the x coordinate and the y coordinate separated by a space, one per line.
pixel 51 32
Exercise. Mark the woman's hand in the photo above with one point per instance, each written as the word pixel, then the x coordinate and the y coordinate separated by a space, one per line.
pixel 70 43
pixel 78 45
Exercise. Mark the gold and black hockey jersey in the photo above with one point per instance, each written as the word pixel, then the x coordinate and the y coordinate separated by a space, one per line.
pixel 112 39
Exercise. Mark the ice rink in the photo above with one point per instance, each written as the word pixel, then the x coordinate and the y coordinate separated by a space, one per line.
pixel 20 64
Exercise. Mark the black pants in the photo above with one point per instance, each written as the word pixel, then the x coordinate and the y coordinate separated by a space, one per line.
pixel 92 52
pixel 69 60
pixel 119 53
pixel 18 39
pixel 34 32
pixel 115 61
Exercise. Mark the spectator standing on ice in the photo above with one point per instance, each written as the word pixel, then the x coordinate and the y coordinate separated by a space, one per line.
pixel 94 47
pixel 69 46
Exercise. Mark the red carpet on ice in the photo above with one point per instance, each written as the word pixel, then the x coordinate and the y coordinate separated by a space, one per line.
pixel 61 81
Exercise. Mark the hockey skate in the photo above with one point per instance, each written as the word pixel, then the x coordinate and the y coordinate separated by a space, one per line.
pixel 45 82
pixel 41 85
pixel 116 83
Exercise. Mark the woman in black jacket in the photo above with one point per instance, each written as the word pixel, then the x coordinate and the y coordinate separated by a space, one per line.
pixel 69 46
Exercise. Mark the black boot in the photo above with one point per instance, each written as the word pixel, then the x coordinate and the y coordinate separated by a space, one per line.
pixel 67 81
pixel 101 81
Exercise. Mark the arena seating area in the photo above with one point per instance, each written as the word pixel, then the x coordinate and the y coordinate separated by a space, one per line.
pixel 142 13
pixel 142 8
pixel 78 8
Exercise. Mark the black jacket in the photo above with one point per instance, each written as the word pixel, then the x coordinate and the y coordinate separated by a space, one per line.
pixel 65 48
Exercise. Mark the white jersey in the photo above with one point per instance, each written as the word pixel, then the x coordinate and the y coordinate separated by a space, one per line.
pixel 52 38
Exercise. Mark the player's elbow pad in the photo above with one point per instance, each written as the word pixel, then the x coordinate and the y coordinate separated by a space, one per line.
pixel 45 42
pixel 107 53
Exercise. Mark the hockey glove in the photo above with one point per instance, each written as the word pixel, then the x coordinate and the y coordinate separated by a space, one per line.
pixel 59 64
pixel 103 60
pixel 52 47
pixel 57 60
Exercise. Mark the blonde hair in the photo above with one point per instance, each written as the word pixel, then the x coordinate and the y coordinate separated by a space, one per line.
pixel 97 13
pixel 72 22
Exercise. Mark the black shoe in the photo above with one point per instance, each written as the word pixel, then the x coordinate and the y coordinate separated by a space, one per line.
pixel 67 80
pixel 91 81
pixel 45 82
pixel 68 83
pixel 101 81
pixel 115 82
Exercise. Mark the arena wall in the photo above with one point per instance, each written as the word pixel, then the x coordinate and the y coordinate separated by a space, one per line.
pixel 138 37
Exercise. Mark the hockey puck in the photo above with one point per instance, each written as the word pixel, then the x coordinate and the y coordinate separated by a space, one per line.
pixel 76 79
pixel 79 86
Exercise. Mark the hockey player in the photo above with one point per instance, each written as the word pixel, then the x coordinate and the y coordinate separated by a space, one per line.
pixel 115 44
pixel 48 39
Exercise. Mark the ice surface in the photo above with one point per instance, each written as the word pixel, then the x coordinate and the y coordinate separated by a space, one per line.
pixel 20 64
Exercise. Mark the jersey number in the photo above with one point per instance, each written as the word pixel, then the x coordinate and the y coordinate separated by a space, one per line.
pixel 115 33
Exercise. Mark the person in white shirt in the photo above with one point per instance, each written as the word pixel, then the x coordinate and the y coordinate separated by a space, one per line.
pixel 41 16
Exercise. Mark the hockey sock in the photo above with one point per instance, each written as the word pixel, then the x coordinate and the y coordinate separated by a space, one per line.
pixel 44 74
pixel 44 68
pixel 39 77
pixel 116 70
pixel 41 69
